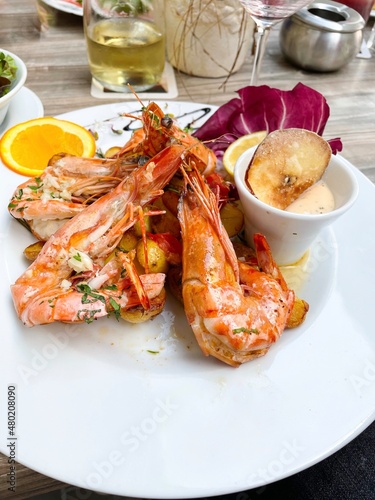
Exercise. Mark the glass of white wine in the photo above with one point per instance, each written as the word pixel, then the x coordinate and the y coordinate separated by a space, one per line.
pixel 267 13
pixel 125 43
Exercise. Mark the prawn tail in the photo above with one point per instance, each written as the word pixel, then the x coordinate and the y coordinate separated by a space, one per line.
pixel 266 261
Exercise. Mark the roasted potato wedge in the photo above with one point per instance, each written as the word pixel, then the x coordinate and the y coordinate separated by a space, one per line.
pixel 32 251
pixel 112 151
pixel 170 201
pixel 155 258
pixel 232 218
pixel 139 315
pixel 298 314
pixel 143 226
pixel 285 164
pixel 165 223
pixel 128 242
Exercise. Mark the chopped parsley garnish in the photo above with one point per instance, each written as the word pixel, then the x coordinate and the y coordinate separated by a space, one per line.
pixel 87 315
pixel 116 307
pixel 35 188
pixel 246 330
pixel 87 292
pixel 111 287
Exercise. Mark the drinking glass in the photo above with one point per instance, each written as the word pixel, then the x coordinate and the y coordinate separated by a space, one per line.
pixel 125 43
pixel 371 38
pixel 267 13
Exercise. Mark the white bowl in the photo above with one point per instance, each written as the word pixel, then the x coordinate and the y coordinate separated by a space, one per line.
pixel 290 235
pixel 16 86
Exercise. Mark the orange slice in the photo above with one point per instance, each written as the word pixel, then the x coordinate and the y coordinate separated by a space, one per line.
pixel 27 147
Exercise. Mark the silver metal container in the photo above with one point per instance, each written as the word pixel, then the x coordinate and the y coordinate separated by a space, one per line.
pixel 324 36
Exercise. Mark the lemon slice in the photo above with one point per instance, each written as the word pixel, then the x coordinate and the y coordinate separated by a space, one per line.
pixel 27 147
pixel 235 150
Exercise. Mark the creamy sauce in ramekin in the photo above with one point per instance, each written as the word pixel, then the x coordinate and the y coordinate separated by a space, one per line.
pixel 318 199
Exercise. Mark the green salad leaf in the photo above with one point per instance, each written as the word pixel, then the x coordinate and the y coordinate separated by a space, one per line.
pixel 8 71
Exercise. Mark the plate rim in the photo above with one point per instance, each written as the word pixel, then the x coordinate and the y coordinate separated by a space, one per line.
pixel 24 93
pixel 65 7
pixel 365 422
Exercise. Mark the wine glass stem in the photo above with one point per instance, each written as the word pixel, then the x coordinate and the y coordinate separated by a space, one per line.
pixel 261 37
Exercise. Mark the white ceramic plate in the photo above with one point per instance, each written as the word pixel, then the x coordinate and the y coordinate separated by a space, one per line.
pixel 95 408
pixel 25 106
pixel 64 6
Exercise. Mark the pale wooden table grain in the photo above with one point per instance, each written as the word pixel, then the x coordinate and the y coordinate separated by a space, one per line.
pixel 59 75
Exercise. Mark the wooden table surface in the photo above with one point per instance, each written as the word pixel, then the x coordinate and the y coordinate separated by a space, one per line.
pixel 58 73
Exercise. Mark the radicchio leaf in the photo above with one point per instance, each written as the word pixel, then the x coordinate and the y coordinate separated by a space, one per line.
pixel 266 108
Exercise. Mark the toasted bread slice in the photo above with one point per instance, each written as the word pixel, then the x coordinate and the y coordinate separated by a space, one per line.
pixel 285 164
